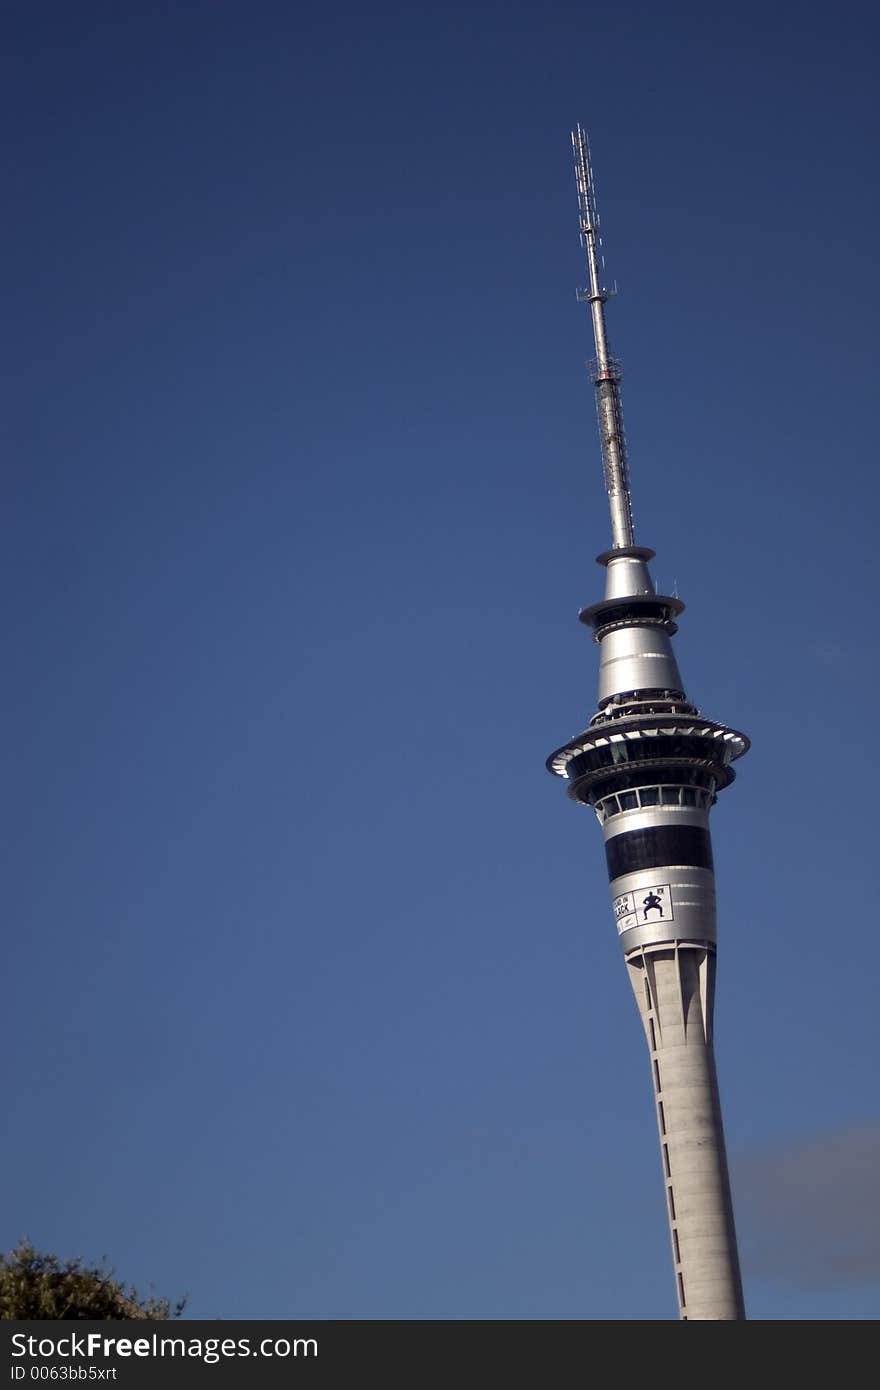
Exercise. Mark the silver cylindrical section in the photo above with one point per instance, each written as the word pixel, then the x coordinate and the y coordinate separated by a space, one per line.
pixel 597 310
pixel 669 902
pixel 627 576
pixel 674 990
pixel 620 509
pixel 613 445
pixel 636 658
pixel 665 904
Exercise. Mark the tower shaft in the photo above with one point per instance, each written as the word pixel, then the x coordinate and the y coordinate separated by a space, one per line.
pixel 651 766
pixel 674 987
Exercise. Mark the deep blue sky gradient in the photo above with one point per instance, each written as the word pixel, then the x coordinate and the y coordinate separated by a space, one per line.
pixel 313 1001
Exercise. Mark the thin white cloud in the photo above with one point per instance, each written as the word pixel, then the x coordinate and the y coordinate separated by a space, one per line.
pixel 808 1213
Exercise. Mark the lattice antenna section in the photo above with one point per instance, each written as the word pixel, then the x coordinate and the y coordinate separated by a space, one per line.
pixel 605 369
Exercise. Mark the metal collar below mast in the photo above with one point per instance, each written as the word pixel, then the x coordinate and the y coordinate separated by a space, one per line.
pixel 606 370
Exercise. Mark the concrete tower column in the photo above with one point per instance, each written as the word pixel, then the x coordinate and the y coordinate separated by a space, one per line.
pixel 674 989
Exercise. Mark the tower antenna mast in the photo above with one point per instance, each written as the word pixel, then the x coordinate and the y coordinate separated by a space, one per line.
pixel 605 368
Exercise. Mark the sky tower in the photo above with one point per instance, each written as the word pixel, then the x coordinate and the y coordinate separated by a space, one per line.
pixel 650 765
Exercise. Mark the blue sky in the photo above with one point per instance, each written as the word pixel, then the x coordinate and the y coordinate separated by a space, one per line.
pixel 314 1005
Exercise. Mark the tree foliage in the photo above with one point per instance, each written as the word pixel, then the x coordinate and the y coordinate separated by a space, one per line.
pixel 37 1286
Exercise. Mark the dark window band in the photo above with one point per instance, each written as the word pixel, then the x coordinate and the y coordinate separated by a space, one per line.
pixel 657 845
